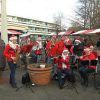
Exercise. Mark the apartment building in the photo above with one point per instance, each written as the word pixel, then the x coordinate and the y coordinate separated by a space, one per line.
pixel 24 25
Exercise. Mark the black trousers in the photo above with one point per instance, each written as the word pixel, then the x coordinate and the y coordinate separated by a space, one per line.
pixel 63 75
pixel 84 72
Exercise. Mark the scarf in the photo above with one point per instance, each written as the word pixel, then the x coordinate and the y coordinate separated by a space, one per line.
pixel 13 46
pixel 63 64
pixel 39 45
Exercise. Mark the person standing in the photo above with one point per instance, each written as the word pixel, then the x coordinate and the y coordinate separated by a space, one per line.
pixel 98 43
pixel 38 51
pixel 10 52
pixel 98 49
pixel 2 57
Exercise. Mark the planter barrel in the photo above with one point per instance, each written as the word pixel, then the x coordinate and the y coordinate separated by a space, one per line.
pixel 40 76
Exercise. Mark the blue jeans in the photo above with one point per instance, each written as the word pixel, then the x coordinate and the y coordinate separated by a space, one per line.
pixel 54 69
pixel 34 57
pixel 49 60
pixel 39 57
pixel 12 67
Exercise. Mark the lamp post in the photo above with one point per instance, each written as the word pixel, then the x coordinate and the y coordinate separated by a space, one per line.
pixel 4 34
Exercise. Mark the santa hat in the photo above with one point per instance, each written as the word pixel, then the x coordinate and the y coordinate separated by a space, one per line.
pixel 13 37
pixel 39 39
pixel 65 50
pixel 86 49
pixel 91 46
pixel 68 41
pixel 54 36
pixel 78 40
pixel 63 37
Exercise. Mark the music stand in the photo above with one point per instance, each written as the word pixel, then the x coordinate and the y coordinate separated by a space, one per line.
pixel 27 83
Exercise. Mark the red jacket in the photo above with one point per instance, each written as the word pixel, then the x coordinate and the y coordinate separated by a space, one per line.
pixel 9 52
pixel 92 56
pixel 60 61
pixel 60 47
pixel 26 48
pixel 51 51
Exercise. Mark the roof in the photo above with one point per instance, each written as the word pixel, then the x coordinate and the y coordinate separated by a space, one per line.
pixel 87 32
pixel 14 32
pixel 68 32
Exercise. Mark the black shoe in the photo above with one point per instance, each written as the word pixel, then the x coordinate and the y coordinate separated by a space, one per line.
pixel 14 85
pixel 10 82
pixel 61 87
pixel 86 83
pixel 82 82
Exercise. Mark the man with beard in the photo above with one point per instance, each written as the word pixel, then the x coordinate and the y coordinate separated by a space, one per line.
pixel 64 69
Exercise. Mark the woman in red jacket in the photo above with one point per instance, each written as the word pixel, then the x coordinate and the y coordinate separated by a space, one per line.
pixel 87 68
pixel 51 49
pixel 64 69
pixel 10 53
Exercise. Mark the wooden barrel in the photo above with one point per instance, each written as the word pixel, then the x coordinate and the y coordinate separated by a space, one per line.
pixel 40 76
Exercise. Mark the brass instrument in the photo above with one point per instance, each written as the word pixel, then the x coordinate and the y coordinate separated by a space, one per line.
pixel 17 56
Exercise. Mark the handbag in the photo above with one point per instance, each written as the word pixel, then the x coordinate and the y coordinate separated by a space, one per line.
pixel 25 78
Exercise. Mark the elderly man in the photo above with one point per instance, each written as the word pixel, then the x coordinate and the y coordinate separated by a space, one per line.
pixel 64 68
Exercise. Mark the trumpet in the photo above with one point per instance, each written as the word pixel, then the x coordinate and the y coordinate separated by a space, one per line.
pixel 17 56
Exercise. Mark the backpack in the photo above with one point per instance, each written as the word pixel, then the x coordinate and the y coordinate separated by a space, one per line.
pixel 25 78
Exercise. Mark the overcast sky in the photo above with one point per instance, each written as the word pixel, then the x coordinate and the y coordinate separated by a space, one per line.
pixel 41 9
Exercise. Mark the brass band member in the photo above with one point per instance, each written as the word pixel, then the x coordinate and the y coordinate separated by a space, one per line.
pixel 64 68
pixel 51 49
pixel 11 53
pixel 87 68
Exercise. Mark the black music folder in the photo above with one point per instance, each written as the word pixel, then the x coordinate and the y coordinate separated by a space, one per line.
pixel 85 62
pixel 93 62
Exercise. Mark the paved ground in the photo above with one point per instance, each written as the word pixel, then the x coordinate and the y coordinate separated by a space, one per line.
pixel 49 92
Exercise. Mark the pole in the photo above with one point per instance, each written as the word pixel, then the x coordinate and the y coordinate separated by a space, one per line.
pixel 4 34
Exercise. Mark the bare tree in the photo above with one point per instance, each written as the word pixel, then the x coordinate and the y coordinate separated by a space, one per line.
pixel 89 13
pixel 58 20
